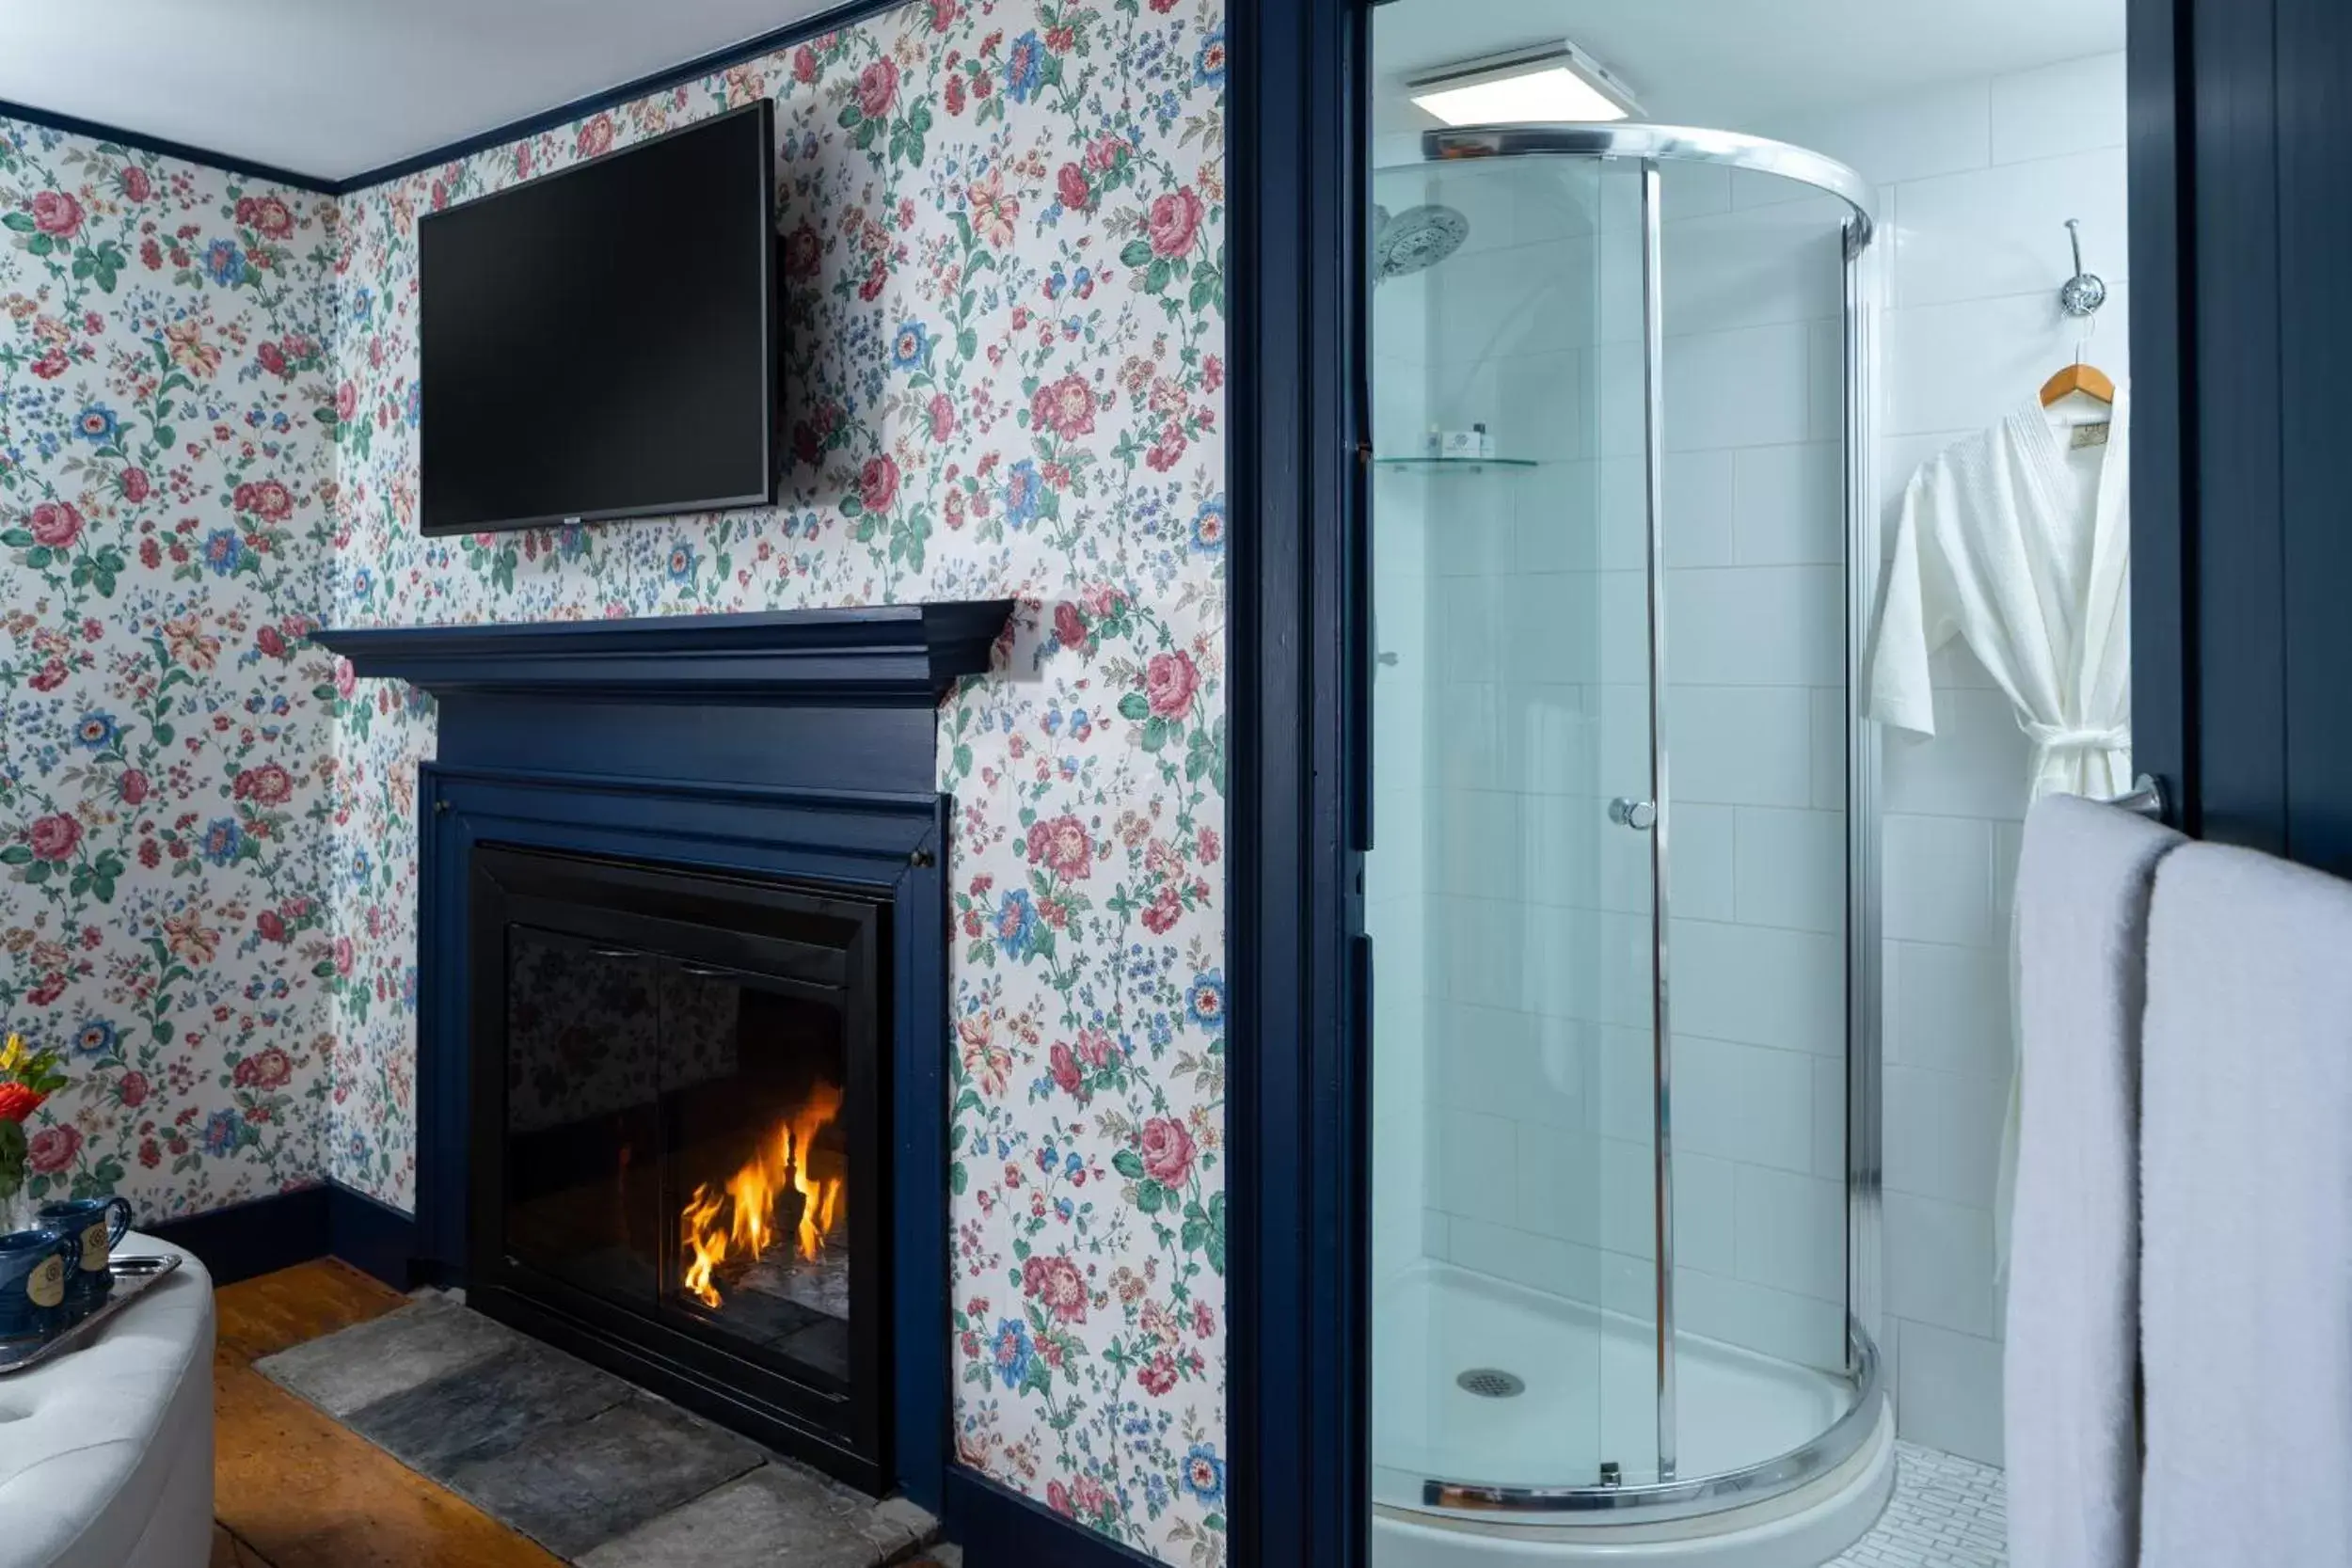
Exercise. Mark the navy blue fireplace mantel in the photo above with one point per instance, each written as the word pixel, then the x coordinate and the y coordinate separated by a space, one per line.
pixel 799 745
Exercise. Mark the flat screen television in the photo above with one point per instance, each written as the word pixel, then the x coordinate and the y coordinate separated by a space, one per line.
pixel 601 343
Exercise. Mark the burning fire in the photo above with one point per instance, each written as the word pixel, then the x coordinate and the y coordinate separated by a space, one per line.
pixel 776 1191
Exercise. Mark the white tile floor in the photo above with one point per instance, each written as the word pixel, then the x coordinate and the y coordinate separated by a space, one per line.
pixel 1947 1512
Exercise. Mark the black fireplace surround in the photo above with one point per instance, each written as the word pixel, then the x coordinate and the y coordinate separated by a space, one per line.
pixel 682 1025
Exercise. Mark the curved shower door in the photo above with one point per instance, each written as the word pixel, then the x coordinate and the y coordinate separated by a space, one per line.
pixel 1515 1341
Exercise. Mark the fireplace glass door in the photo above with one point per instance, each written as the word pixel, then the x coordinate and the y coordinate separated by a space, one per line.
pixel 679 1103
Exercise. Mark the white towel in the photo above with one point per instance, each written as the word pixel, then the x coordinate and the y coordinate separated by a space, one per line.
pixel 2246 1215
pixel 2070 1439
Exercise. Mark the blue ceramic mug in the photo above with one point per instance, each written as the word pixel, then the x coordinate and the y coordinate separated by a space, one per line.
pixel 85 1219
pixel 33 1269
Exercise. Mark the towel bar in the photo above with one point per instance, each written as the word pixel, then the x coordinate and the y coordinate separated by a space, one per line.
pixel 2146 798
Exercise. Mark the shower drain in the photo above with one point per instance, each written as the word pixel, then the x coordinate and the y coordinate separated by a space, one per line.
pixel 1491 1382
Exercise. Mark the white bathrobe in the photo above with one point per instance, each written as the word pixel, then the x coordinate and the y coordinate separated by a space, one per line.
pixel 2000 545
pixel 2003 543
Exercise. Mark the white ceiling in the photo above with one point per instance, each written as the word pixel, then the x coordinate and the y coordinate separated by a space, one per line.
pixel 336 88
pixel 1746 64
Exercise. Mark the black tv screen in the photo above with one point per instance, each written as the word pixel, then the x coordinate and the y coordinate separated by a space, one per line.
pixel 600 342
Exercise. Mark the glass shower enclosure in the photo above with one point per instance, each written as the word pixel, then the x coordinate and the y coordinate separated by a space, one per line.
pixel 1625 1145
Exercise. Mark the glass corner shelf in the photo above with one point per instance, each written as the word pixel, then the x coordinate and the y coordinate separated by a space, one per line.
pixel 1434 462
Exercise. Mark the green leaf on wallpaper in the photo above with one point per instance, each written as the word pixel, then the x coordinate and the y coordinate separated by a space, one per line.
pixel 1128 1164
pixel 37 873
pixel 964 761
pixel 21 222
pixel 165 436
pixel 1134 705
pixel 1155 279
pixel 1155 733
pixel 160 1032
pixel 1149 1195
pixel 850 116
pixel 968 342
pixel 1204 290
pixel 17 538
pixel 957 1178
pixel 40 245
pixel 1136 253
pixel 1200 756
pixel 16 854
pixel 323 969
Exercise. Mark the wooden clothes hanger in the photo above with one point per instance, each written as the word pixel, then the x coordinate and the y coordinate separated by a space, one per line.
pixel 2089 380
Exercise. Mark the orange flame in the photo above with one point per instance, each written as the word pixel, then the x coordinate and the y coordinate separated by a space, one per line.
pixel 743 1217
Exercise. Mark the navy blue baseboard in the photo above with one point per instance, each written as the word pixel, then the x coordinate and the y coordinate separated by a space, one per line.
pixel 999 1528
pixel 285 1229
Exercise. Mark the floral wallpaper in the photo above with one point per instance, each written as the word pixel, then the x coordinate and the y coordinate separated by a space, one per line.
pixel 165 747
pixel 1004 232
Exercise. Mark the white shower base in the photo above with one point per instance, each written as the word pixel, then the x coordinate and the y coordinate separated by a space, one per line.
pixel 1590 1396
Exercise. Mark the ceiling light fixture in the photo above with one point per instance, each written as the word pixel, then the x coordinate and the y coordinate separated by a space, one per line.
pixel 1556 82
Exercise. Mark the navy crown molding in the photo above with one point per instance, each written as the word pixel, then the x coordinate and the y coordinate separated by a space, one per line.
pixel 886 656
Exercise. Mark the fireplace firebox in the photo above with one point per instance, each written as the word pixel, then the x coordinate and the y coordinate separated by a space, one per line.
pixel 678 1105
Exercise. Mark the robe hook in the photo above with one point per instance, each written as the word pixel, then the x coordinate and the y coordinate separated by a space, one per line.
pixel 2084 292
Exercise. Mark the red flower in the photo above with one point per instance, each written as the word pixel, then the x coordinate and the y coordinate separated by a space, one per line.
pixel 1070 627
pixel 1175 218
pixel 1167 1151
pixel 943 14
pixel 955 95
pixel 17 1101
pixel 1211 846
pixel 1076 194
pixel 1062 846
pixel 878 484
pixel 802 252
pixel 266 498
pixel 344 956
pixel 804 64
pixel 1055 1284
pixel 269 784
pixel 943 413
pixel 57 214
pixel 52 838
pixel 265 1069
pixel 267 215
pixel 596 138
pixel 56 524
pixel 1066 407
pixel 346 403
pixel 271 925
pixel 273 359
pixel 51 365
pixel 136 485
pixel 271 642
pixel 134 1090
pixel 1058 1498
pixel 52 1150
pixel 1160 915
pixel 132 787
pixel 877 88
pixel 137 185
pixel 1063 1064
pixel 1169 682
pixel 1160 1376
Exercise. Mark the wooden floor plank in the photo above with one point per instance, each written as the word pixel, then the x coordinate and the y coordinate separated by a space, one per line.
pixel 263 1316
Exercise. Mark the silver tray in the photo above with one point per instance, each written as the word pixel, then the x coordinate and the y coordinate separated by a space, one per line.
pixel 134 1276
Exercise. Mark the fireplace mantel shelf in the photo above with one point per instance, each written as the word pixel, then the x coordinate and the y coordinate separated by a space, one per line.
pixel 887 655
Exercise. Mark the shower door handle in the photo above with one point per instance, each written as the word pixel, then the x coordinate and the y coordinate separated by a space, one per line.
pixel 1639 815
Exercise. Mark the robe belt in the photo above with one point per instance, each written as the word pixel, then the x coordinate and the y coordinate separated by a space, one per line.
pixel 2055 738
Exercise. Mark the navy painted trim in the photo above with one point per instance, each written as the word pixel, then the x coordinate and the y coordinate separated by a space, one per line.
pixel 1299 1467
pixel 257 1236
pixel 627 92
pixel 73 125
pixel 896 653
pixel 372 1236
pixel 999 1528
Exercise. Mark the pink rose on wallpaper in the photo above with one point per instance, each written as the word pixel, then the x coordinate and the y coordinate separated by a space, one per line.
pixel 132 787
pixel 802 251
pixel 56 524
pixel 1055 1284
pixel 266 215
pixel 52 838
pixel 265 1069
pixel 943 413
pixel 346 679
pixel 270 925
pixel 267 785
pixel 877 88
pixel 1070 627
pixel 52 1150
pixel 1071 183
pixel 1159 1375
pixel 344 955
pixel 134 1090
pixel 1169 682
pixel 804 64
pixel 878 484
pixel 1066 407
pixel 1166 1149
pixel 943 14
pixel 266 498
pixel 1062 1063
pixel 271 642
pixel 135 184
pixel 57 214
pixel 596 138
pixel 1062 846
pixel 1175 219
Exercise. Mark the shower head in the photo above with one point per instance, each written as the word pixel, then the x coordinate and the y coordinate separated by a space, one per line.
pixel 1415 238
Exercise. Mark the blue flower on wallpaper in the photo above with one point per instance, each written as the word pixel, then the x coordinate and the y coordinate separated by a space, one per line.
pixel 416 403
pixel 93 1037
pixel 1024 66
pixel 223 1132
pixel 1204 1473
pixel 224 549
pixel 223 263
pixel 1014 1351
pixel 223 840
pixel 362 583
pixel 1017 925
pixel 360 866
pixel 681 564
pixel 1210 62
pixel 362 303
pixel 97 731
pixel 1022 486
pixel 1208 527
pixel 1204 1002
pixel 912 345
pixel 96 424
